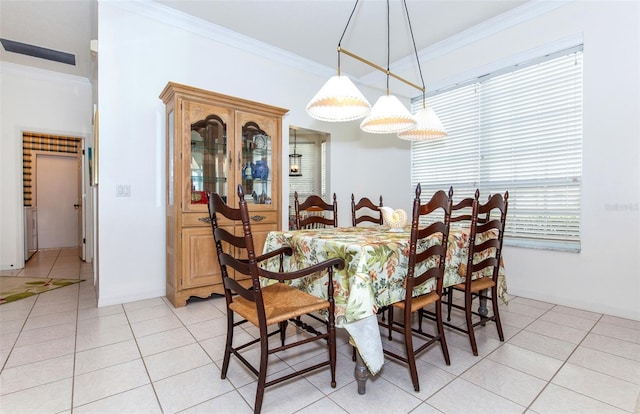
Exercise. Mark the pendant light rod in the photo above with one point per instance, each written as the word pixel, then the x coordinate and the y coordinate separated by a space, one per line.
pixel 355 6
pixel 380 68
pixel 415 50
pixel 295 141
pixel 373 65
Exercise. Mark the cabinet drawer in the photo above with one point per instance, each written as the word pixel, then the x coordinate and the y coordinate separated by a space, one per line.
pixel 200 219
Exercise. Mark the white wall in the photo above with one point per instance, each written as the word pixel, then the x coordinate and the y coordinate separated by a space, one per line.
pixel 604 276
pixel 140 53
pixel 38 101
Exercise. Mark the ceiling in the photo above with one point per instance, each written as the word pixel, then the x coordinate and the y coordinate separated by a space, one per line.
pixel 309 28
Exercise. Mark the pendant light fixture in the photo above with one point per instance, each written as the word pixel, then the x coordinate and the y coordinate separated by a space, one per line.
pixel 295 160
pixel 388 115
pixel 428 125
pixel 340 100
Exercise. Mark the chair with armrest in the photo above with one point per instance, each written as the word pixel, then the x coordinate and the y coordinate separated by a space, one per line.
pixel 427 254
pixel 315 213
pixel 364 211
pixel 275 304
pixel 486 234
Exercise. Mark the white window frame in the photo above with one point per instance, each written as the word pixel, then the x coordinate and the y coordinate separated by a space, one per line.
pixel 518 129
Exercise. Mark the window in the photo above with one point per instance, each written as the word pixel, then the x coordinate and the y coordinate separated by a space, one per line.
pixel 518 130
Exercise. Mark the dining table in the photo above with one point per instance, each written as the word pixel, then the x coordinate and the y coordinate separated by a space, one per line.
pixel 376 264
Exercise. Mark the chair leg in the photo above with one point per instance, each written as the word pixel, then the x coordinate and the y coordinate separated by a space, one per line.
pixel 331 328
pixel 449 293
pixel 443 341
pixel 283 330
pixel 467 312
pixel 228 345
pixel 411 357
pixel 496 313
pixel 262 373
pixel 390 321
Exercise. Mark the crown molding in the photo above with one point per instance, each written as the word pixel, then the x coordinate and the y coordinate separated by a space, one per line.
pixel 172 17
pixel 193 24
pixel 524 56
pixel 521 14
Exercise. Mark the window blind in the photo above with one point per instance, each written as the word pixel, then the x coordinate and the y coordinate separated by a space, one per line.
pixel 518 130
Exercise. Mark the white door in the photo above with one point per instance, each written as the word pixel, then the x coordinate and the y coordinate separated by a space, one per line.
pixel 57 200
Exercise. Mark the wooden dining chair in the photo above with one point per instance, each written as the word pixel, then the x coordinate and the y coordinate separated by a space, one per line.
pixel 364 211
pixel 427 254
pixel 315 213
pixel 275 304
pixel 461 214
pixel 486 234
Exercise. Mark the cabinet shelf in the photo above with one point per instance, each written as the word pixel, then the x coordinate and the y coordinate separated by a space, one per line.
pixel 200 147
pixel 208 179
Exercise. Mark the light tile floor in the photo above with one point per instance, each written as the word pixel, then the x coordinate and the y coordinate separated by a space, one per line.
pixel 62 354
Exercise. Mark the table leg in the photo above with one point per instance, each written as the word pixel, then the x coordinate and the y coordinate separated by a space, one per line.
pixel 482 307
pixel 361 373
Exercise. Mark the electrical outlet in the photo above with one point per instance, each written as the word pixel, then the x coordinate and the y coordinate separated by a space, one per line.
pixel 123 190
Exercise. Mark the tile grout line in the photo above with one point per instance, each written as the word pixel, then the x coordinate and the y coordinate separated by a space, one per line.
pixel 146 368
pixel 565 362
pixel 502 343
pixel 75 344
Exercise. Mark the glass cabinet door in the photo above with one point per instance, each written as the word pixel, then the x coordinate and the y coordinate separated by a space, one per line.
pixel 257 170
pixel 208 158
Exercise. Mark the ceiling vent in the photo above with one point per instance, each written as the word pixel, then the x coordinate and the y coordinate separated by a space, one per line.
pixel 39 52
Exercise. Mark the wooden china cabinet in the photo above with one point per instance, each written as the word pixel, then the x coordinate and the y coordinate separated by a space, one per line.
pixel 215 142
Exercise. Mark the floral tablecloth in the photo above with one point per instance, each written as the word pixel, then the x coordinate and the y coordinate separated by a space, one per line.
pixel 376 262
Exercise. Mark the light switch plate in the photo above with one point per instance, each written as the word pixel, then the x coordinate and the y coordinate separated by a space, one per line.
pixel 123 190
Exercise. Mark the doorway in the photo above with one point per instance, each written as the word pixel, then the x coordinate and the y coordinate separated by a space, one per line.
pixel 57 200
pixel 52 186
pixel 312 176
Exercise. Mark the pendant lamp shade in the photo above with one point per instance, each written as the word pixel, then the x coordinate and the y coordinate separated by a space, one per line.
pixel 388 116
pixel 339 100
pixel 429 127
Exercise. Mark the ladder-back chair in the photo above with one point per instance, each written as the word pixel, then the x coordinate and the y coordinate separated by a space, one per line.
pixel 268 305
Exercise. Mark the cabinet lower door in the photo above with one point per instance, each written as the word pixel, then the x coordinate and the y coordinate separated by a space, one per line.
pixel 200 266
pixel 199 260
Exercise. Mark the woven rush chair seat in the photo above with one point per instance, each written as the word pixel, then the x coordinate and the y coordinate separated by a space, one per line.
pixel 281 302
pixel 272 307
pixel 477 284
pixel 419 302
